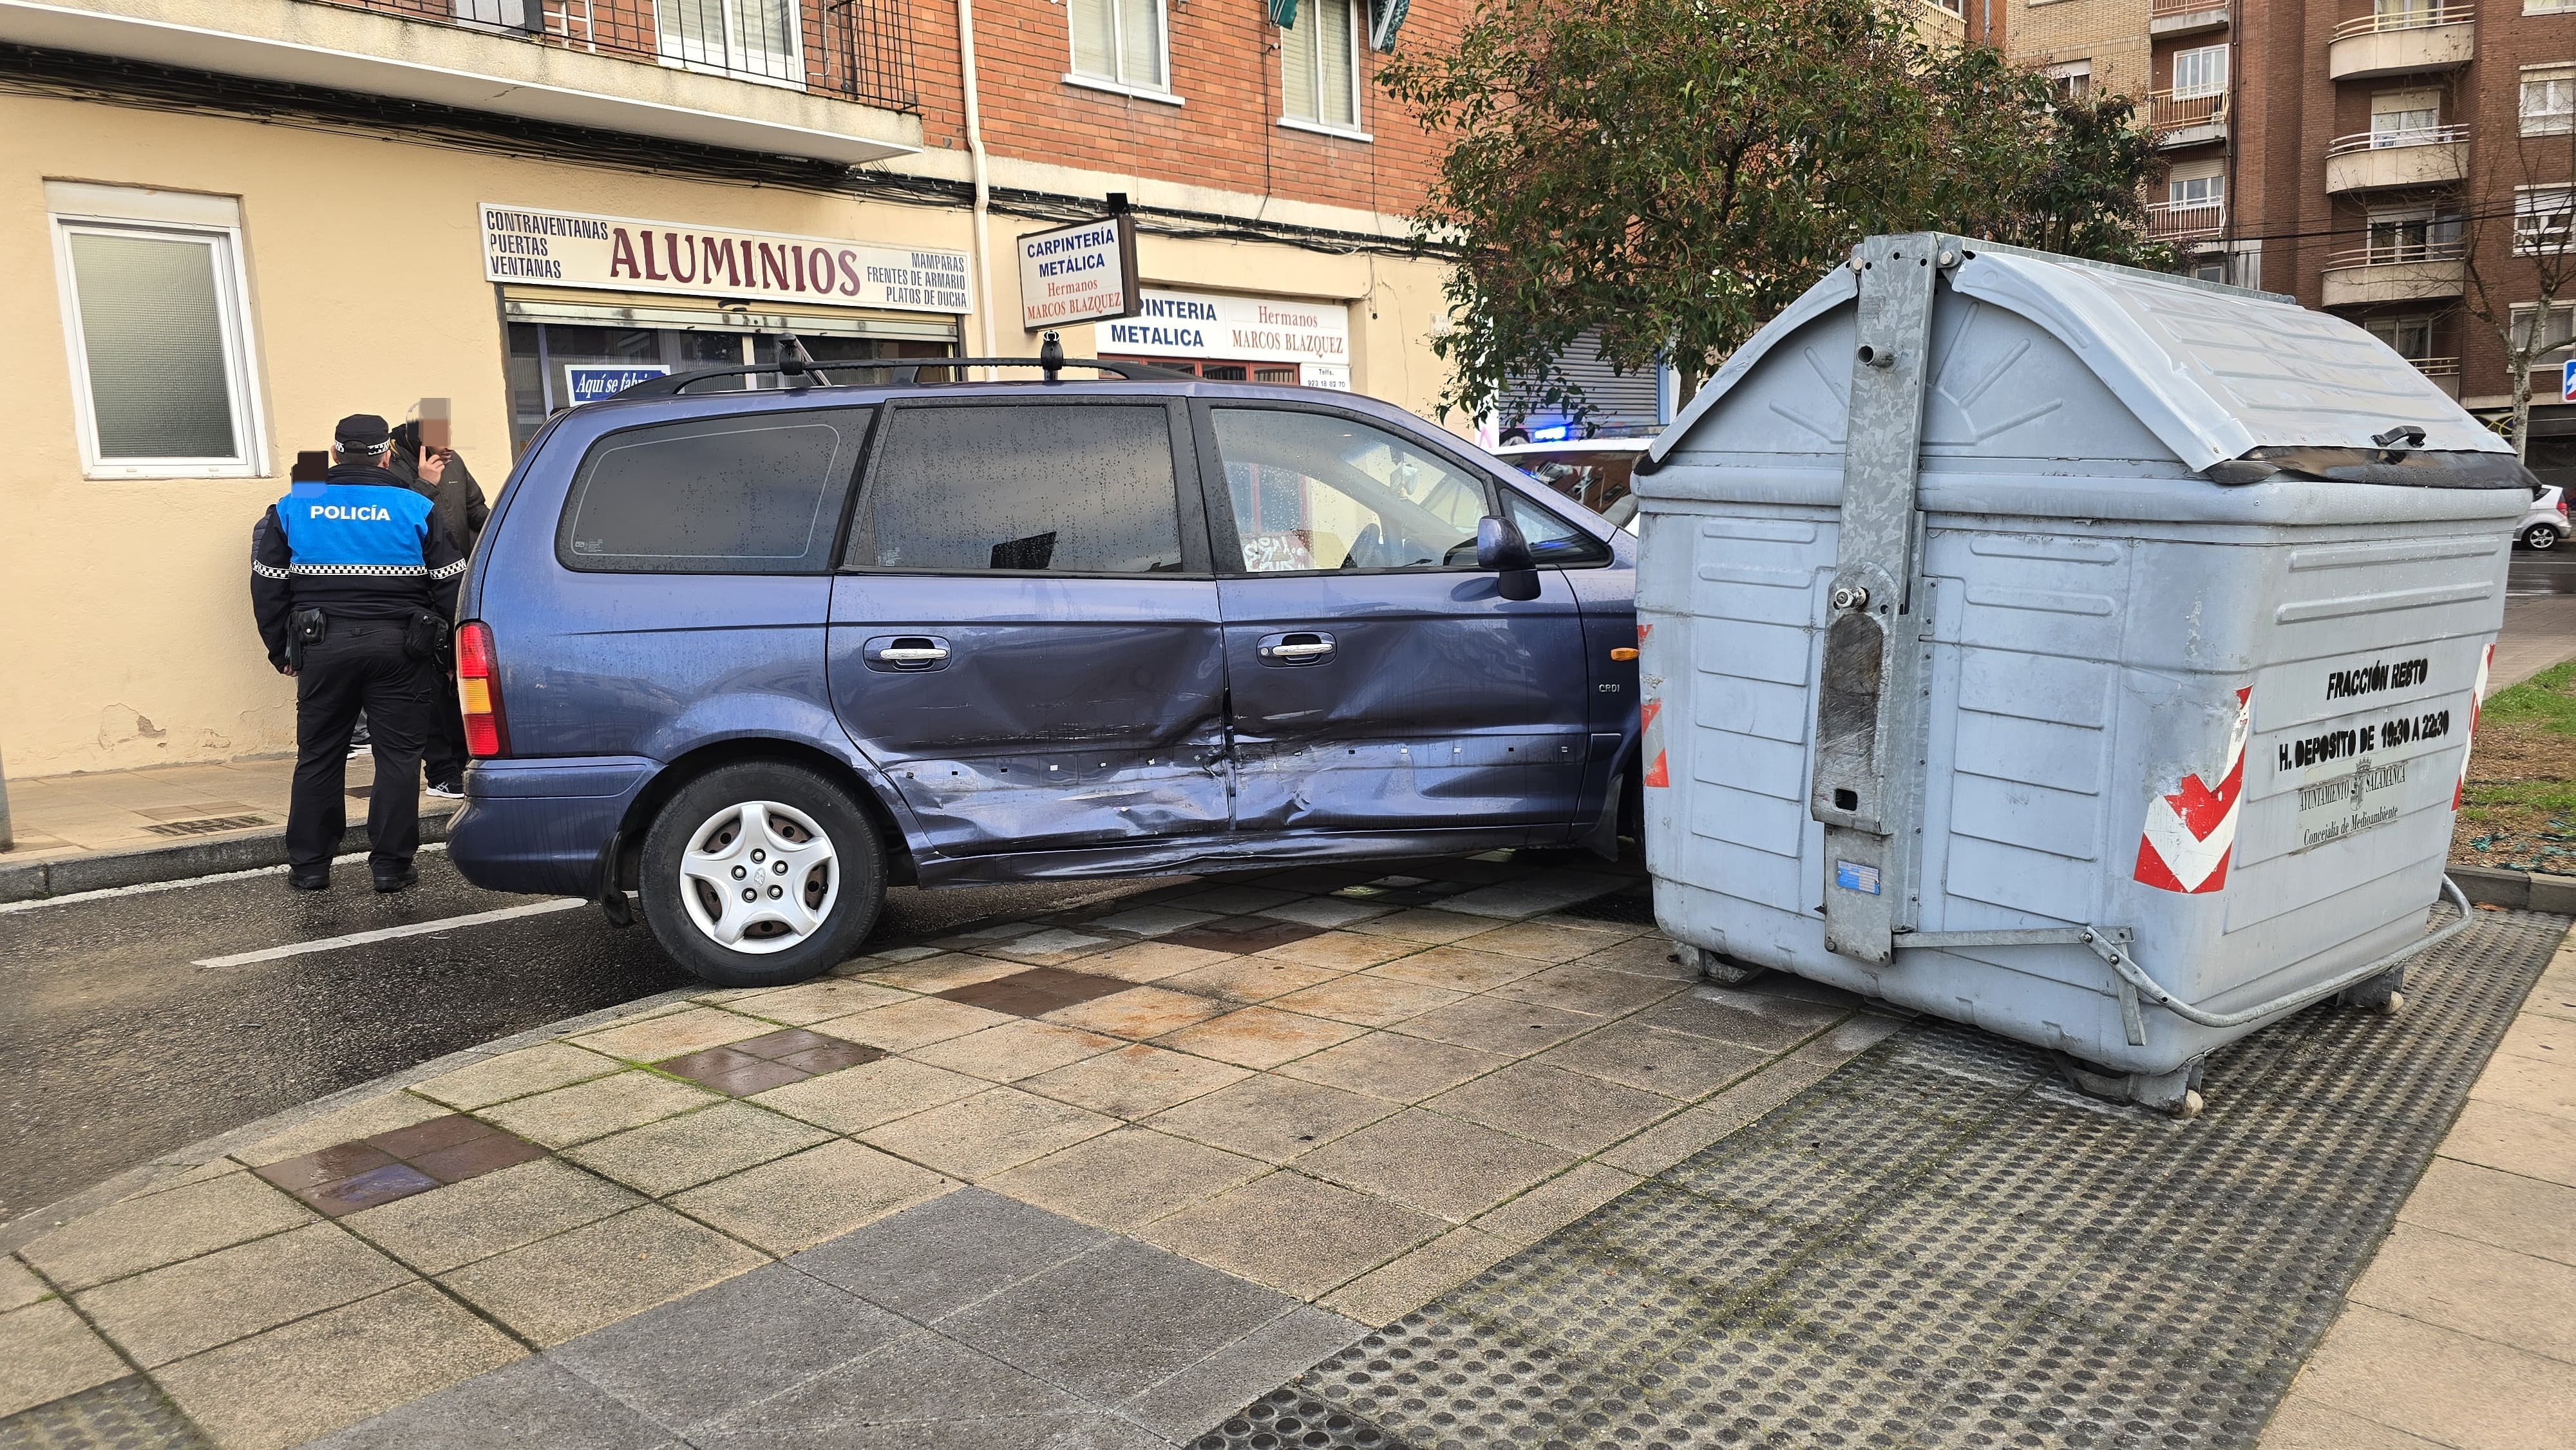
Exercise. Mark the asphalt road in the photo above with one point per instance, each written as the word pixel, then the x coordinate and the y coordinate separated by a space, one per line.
pixel 114 1047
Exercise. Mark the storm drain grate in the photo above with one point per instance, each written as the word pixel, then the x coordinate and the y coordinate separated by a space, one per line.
pixel 126 1414
pixel 1940 1245
pixel 206 826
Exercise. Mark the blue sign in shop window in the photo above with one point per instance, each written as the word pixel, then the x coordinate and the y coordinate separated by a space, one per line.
pixel 589 383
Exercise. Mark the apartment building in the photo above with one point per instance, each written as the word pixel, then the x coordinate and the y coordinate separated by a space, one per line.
pixel 231 222
pixel 2404 163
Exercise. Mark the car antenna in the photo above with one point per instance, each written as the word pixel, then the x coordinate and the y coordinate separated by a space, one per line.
pixel 1051 355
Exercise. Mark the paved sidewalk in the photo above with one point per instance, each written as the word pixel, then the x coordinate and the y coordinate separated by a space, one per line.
pixel 2463 1331
pixel 1104 1176
pixel 165 822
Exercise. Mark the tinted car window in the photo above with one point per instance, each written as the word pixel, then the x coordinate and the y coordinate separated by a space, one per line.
pixel 1034 487
pixel 1552 541
pixel 714 495
pixel 1313 491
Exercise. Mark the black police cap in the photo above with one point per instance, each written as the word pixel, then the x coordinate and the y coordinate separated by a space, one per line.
pixel 361 433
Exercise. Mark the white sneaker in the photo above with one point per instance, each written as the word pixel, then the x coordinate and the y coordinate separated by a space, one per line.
pixel 448 792
pixel 358 748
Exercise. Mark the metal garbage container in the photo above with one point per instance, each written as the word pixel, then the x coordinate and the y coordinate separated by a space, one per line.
pixel 2083 653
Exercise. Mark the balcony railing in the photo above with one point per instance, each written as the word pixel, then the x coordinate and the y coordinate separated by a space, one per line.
pixel 2166 9
pixel 2422 17
pixel 2390 140
pixel 2437 367
pixel 860 50
pixel 2177 221
pixel 2169 112
pixel 2394 254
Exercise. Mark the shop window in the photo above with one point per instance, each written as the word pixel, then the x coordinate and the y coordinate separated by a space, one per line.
pixel 2199 72
pixel 1319 66
pixel 155 310
pixel 1024 488
pixel 2543 217
pixel 739 495
pixel 748 39
pixel 1312 491
pixel 1120 43
pixel 2548 100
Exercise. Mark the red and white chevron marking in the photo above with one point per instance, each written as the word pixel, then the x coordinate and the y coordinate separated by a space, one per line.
pixel 2189 834
pixel 2477 701
pixel 1650 730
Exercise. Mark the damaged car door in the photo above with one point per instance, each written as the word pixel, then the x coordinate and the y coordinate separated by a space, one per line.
pixel 1024 634
pixel 1380 679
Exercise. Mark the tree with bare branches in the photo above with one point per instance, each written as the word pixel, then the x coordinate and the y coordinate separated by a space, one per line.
pixel 2517 239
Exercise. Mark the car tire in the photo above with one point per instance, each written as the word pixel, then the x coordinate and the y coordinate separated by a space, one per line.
pixel 798 844
pixel 2540 536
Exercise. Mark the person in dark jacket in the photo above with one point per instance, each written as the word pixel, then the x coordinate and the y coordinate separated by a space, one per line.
pixel 353 584
pixel 457 500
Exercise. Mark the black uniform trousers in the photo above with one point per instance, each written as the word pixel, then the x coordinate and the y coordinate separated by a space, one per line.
pixel 443 756
pixel 359 665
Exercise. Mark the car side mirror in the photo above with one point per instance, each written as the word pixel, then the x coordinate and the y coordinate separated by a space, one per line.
pixel 1502 551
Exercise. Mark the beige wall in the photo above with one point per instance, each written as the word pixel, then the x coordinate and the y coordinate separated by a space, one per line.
pixel 130 639
pixel 2111 34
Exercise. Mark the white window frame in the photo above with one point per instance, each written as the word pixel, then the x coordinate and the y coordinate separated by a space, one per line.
pixel 2216 87
pixel 2531 205
pixel 2550 359
pixel 664 41
pixel 1359 80
pixel 2552 123
pixel 1119 85
pixel 2072 79
pixel 2200 187
pixel 73 207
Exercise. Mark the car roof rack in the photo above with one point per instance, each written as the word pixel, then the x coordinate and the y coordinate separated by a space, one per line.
pixel 905 372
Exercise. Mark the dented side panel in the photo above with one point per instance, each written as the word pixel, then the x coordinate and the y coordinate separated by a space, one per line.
pixel 1067 712
pixel 1442 703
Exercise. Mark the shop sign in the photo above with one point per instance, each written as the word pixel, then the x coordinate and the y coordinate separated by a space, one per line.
pixel 1235 329
pixel 590 382
pixel 1336 376
pixel 1080 273
pixel 624 254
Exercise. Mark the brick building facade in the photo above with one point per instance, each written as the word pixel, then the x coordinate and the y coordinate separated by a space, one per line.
pixel 2398 162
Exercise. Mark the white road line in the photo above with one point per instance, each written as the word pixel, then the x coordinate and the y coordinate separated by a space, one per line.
pixel 418 928
pixel 145 888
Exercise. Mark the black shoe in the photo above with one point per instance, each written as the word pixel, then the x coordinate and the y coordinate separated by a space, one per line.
pixel 310 883
pixel 389 882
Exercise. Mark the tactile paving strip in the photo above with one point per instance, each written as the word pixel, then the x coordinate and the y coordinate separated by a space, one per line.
pixel 126 1414
pixel 1943 1246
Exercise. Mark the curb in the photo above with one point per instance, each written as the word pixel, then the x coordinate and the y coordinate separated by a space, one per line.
pixel 2517 890
pixel 36 880
pixel 16 1233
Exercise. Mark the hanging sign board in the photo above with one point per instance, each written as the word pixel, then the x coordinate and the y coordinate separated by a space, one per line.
pixel 552 247
pixel 1235 329
pixel 1081 273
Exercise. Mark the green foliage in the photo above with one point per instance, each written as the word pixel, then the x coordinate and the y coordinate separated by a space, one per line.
pixel 1677 171
pixel 2546 701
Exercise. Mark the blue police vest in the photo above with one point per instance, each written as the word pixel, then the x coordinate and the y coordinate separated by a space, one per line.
pixel 355 529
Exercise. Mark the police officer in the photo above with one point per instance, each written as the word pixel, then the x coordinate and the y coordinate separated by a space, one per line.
pixel 353 581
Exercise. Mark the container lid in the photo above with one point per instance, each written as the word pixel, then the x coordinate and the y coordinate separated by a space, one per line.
pixel 2217 374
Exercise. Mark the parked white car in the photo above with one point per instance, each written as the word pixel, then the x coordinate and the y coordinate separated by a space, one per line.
pixel 2546 524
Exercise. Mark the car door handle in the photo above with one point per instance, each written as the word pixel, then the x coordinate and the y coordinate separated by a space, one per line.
pixel 905 652
pixel 1302 647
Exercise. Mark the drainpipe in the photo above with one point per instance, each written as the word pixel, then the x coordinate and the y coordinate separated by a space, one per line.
pixel 8 837
pixel 983 179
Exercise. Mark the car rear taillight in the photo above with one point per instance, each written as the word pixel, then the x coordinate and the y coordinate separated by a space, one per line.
pixel 478 691
pixel 2562 500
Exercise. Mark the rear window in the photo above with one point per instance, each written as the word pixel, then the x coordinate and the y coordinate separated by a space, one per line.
pixel 736 495
pixel 1086 488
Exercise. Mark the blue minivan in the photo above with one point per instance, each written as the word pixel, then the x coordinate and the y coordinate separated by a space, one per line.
pixel 755 653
